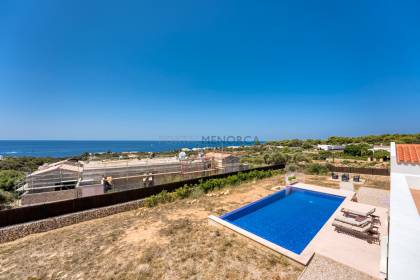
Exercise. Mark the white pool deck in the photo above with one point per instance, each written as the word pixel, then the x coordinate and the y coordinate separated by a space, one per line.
pixel 349 250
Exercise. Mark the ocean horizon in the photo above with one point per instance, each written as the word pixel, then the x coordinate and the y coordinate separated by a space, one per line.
pixel 69 148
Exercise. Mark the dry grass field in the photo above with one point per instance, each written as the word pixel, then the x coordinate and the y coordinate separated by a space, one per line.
pixel 170 241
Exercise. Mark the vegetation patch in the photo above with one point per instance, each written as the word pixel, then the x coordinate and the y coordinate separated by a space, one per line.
pixel 316 169
pixel 8 181
pixel 207 186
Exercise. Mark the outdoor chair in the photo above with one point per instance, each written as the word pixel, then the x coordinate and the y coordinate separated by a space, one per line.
pixel 356 178
pixel 345 178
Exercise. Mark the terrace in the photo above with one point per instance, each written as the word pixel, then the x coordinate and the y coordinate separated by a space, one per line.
pixel 348 250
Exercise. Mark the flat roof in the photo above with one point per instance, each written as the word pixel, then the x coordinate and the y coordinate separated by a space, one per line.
pixel 133 162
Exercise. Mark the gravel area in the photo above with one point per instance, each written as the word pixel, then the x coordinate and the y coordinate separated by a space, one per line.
pixel 322 268
pixel 376 197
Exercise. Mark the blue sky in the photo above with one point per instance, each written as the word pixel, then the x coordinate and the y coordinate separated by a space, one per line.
pixel 186 69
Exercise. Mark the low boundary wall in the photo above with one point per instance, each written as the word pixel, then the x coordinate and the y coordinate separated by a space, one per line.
pixel 360 170
pixel 14 232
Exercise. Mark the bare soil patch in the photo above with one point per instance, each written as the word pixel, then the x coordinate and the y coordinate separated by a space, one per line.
pixel 170 241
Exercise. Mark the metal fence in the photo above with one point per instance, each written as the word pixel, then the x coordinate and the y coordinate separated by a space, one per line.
pixel 43 211
pixel 360 170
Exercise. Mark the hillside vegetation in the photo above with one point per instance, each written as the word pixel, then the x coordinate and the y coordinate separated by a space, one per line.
pixel 384 139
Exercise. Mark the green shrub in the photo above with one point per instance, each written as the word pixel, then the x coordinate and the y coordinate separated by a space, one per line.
pixel 292 167
pixel 183 192
pixel 206 186
pixel 5 198
pixel 196 193
pixel 276 158
pixel 9 179
pixel 151 201
pixel 316 169
pixel 24 164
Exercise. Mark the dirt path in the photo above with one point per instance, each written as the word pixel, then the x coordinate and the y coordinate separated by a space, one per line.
pixel 171 241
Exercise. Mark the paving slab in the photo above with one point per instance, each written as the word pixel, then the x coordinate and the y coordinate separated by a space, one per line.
pixel 323 268
pixel 376 197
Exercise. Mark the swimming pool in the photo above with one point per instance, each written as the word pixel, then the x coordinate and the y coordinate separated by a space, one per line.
pixel 289 218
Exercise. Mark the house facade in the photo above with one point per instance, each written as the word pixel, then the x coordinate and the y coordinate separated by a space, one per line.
pixel 404 226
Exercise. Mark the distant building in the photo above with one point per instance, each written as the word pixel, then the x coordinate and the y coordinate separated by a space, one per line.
pixel 330 147
pixel 71 179
pixel 1 157
pixel 226 162
pixel 380 148
pixel 51 182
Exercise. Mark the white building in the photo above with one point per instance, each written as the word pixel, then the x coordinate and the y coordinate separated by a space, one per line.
pixel 404 229
pixel 325 147
pixel 380 148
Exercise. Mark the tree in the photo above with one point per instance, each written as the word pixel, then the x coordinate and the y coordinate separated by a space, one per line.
pixel 357 150
pixel 323 155
pixel 275 158
pixel 381 154
pixel 299 157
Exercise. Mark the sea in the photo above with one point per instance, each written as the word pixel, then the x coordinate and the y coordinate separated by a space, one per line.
pixel 67 148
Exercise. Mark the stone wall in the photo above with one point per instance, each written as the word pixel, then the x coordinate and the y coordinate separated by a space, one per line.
pixel 11 233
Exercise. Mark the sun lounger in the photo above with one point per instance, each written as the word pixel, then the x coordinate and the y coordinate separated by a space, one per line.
pixel 368 231
pixel 352 221
pixel 362 214
pixel 358 212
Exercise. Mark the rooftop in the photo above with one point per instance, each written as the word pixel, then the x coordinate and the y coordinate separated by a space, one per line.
pixel 62 166
pixel 408 153
pixel 217 155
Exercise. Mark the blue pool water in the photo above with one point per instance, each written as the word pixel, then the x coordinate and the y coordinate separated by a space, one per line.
pixel 289 218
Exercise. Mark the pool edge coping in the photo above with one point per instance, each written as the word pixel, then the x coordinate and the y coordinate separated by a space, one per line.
pixel 306 255
pixel 303 258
